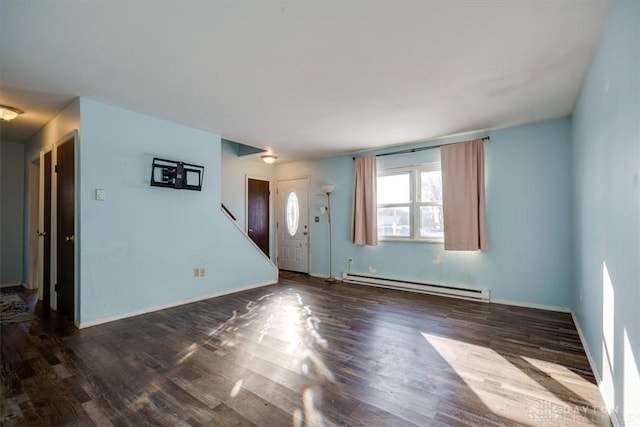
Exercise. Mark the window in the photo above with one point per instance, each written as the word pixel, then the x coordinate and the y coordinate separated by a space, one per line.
pixel 410 203
pixel 293 214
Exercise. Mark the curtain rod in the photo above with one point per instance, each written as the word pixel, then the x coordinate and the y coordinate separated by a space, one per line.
pixel 413 150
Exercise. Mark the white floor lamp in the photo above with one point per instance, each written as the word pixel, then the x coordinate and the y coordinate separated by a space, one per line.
pixel 328 189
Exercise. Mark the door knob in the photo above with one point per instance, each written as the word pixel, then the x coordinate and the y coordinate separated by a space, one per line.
pixel 250 230
pixel 305 233
pixel 70 238
pixel 41 233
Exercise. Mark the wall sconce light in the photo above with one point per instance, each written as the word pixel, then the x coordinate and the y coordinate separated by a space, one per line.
pixel 269 159
pixel 9 113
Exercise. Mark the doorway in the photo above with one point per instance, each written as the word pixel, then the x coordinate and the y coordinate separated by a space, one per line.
pixel 65 237
pixel 258 213
pixel 40 227
pixel 44 233
pixel 35 256
pixel 292 225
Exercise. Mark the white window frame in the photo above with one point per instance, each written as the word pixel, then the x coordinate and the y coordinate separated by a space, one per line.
pixel 414 204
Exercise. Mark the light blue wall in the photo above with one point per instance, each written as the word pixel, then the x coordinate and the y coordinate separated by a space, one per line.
pixel 11 212
pixel 528 188
pixel 139 247
pixel 606 155
pixel 234 174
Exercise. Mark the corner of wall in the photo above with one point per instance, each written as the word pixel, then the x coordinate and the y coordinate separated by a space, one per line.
pixel 606 213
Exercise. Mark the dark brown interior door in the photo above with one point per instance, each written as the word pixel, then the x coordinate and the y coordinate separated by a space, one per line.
pixel 258 213
pixel 46 267
pixel 65 229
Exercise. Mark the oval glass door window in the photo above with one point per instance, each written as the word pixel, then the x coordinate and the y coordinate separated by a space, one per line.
pixel 293 214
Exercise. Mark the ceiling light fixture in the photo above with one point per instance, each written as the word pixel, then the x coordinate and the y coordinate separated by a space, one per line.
pixel 269 159
pixel 9 113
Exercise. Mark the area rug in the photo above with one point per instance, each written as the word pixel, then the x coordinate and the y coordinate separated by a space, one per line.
pixel 13 309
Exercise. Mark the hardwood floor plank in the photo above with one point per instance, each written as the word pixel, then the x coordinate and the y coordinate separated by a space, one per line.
pixel 303 353
pixel 224 416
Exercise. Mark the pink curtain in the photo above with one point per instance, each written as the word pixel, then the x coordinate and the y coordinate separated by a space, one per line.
pixel 463 196
pixel 364 226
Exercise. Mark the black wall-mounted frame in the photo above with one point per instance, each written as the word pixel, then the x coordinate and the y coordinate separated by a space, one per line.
pixel 178 175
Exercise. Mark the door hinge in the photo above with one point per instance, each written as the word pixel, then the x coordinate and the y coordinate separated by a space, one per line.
pixel 55 287
pixel 55 168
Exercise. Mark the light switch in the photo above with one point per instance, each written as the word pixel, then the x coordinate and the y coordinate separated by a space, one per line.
pixel 100 194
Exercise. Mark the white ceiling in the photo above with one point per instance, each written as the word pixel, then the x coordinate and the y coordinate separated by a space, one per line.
pixel 305 79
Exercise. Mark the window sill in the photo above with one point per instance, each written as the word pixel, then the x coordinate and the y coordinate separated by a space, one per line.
pixel 409 240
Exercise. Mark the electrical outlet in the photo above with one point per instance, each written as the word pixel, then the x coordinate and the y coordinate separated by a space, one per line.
pixel 344 275
pixel 196 272
pixel 202 272
pixel 350 260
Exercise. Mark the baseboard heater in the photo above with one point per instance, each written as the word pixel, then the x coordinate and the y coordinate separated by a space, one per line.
pixel 476 294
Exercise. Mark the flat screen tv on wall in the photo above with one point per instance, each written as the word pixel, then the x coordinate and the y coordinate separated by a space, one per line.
pixel 175 174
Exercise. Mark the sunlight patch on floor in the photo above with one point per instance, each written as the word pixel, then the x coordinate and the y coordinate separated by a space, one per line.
pixel 190 350
pixel 284 324
pixel 294 333
pixel 310 415
pixel 494 380
pixel 236 388
pixel 567 378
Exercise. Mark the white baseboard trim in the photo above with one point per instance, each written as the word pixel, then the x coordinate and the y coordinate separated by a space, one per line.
pixel 531 305
pixel 12 284
pixel 439 289
pixel 82 325
pixel 612 415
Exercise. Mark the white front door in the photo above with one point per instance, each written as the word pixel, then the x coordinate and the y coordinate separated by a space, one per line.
pixel 292 226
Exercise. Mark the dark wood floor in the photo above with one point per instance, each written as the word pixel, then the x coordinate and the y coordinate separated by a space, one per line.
pixel 303 353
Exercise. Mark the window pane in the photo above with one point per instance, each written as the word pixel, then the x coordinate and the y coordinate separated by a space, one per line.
pixel 394 188
pixel 394 222
pixel 431 223
pixel 293 214
pixel 431 186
